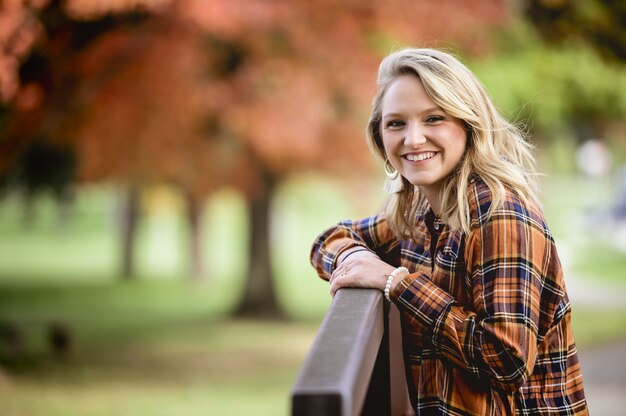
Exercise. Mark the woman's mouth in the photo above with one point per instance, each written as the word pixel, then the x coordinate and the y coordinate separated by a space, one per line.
pixel 418 157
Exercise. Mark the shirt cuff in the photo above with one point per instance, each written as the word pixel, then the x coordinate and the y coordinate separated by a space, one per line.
pixel 333 251
pixel 424 302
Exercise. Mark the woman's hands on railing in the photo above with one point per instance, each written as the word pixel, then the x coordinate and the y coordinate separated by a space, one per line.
pixel 360 268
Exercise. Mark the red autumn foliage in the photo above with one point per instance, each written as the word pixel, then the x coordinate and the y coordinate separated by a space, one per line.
pixel 147 103
pixel 207 93
pixel 19 28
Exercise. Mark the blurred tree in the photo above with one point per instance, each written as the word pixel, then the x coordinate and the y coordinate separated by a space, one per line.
pixel 595 94
pixel 552 87
pixel 599 23
pixel 564 92
pixel 19 29
pixel 43 168
pixel 144 88
pixel 208 93
pixel 48 98
pixel 300 73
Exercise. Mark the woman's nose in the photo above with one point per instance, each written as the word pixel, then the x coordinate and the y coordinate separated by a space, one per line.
pixel 414 136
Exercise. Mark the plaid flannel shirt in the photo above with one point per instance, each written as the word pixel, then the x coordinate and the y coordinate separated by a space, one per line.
pixel 486 324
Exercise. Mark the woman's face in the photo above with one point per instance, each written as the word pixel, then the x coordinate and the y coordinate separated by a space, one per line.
pixel 421 141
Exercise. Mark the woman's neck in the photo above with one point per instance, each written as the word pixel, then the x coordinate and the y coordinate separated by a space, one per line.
pixel 433 198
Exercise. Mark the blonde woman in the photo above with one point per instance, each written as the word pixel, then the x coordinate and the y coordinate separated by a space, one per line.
pixel 462 249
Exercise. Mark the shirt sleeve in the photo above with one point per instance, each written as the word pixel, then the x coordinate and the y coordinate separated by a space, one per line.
pixel 505 259
pixel 372 233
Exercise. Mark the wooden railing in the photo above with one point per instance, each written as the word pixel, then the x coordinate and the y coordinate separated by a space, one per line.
pixel 347 371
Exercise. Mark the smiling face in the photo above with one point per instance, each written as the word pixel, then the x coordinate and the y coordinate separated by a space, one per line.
pixel 421 141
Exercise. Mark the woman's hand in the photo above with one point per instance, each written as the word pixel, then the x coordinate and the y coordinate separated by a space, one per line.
pixel 360 269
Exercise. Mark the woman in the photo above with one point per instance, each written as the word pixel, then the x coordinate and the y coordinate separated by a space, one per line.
pixel 462 249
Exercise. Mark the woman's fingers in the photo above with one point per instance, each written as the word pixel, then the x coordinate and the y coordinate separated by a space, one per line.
pixel 339 271
pixel 363 271
pixel 339 278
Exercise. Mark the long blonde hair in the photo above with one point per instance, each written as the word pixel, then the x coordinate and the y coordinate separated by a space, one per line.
pixel 497 151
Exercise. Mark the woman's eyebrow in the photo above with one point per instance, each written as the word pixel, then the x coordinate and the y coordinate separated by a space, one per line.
pixel 428 110
pixel 392 114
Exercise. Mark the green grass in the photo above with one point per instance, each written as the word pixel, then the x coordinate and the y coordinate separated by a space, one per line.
pixel 165 345
pixel 216 367
pixel 597 326
pixel 576 212
pixel 162 344
pixel 603 263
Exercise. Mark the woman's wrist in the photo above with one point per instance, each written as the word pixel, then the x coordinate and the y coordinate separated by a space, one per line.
pixel 396 280
pixel 393 279
pixel 347 253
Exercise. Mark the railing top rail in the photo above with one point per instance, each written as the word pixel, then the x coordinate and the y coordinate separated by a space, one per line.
pixel 335 376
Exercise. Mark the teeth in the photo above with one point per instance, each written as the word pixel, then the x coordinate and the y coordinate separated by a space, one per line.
pixel 421 156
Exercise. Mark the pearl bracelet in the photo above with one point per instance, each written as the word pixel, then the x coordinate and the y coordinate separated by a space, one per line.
pixel 390 279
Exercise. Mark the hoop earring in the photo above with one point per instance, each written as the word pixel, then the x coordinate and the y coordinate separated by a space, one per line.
pixel 393 182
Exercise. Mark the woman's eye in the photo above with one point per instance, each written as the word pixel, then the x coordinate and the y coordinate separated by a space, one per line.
pixel 395 124
pixel 434 119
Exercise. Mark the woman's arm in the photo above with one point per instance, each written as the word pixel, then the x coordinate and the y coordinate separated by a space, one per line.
pixel 508 259
pixel 371 235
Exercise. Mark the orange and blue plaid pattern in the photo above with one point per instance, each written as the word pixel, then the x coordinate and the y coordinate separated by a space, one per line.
pixel 486 324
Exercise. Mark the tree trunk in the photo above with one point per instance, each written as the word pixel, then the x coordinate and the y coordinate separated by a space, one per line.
pixel 129 218
pixel 194 218
pixel 28 213
pixel 65 208
pixel 260 299
pixel 4 378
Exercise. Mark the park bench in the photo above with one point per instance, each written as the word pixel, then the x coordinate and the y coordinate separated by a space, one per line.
pixel 349 370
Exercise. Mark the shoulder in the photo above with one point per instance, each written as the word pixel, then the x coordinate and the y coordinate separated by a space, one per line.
pixel 484 206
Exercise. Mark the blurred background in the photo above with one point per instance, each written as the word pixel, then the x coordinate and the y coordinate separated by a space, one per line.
pixel 165 166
